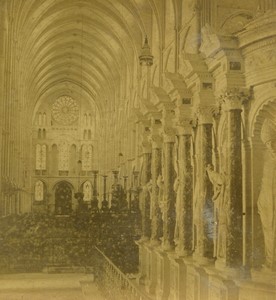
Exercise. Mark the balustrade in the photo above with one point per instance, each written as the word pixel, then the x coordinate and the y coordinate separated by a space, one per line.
pixel 114 284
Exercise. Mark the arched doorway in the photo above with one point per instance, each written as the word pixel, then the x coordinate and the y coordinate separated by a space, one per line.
pixel 63 198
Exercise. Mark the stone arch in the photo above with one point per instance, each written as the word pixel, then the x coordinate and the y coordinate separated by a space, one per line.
pixel 235 22
pixel 63 195
pixel 266 110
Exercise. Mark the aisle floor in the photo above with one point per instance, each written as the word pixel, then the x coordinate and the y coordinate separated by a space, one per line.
pixel 48 287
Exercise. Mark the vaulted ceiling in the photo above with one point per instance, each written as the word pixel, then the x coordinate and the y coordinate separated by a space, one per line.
pixel 83 48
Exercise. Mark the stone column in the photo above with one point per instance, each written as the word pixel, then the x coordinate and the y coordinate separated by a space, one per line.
pixel 136 179
pixel 95 189
pixel 169 194
pixel 94 202
pixel 145 194
pixel 104 187
pixel 134 197
pixel 232 105
pixel 203 191
pixel 184 209
pixel 105 201
pixel 116 179
pixel 156 171
pixel 125 183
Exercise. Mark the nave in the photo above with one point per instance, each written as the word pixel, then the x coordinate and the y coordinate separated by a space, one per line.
pixel 138 143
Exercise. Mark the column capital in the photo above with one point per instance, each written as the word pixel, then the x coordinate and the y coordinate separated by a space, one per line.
pixel 205 114
pixel 169 134
pixel 233 99
pixel 156 141
pixel 184 127
pixel 146 147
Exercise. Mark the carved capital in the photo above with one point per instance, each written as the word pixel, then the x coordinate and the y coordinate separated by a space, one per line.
pixel 233 99
pixel 175 86
pixel 156 141
pixel 146 147
pixel 184 126
pixel 169 134
pixel 205 114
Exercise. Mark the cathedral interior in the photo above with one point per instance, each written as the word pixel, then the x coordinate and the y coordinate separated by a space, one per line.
pixel 138 149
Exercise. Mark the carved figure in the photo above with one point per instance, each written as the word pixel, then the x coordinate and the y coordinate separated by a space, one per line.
pixel 219 184
pixel 267 196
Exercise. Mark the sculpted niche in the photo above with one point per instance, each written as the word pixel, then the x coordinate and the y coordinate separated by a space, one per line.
pixel 267 196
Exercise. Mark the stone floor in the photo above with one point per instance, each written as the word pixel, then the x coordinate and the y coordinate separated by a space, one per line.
pixel 48 287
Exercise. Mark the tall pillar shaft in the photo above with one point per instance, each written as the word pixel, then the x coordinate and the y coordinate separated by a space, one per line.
pixel 184 228
pixel 234 230
pixel 169 195
pixel 104 187
pixel 95 187
pixel 203 204
pixel 156 220
pixel 145 195
pixel 232 198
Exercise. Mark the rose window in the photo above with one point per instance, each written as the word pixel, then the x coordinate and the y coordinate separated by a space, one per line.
pixel 65 110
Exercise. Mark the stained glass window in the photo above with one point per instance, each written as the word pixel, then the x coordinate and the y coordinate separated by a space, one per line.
pixel 86 157
pixel 65 110
pixel 89 120
pixel 63 162
pixel 41 157
pixel 40 119
pixel 44 120
pixel 85 119
pixel 39 191
pixel 87 191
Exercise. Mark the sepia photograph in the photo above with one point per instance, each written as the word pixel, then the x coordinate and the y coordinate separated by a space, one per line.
pixel 137 149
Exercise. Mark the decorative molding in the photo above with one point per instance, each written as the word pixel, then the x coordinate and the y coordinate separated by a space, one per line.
pixel 156 141
pixel 159 96
pixel 175 86
pixel 205 114
pixel 212 43
pixel 184 126
pixel 262 58
pixel 261 28
pixel 169 134
pixel 233 98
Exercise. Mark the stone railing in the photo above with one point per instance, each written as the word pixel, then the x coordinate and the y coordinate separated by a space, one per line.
pixel 114 284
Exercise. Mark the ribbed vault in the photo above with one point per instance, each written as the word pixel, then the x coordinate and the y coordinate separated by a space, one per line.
pixel 83 47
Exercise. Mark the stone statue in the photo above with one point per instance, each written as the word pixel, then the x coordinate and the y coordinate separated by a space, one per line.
pixel 267 196
pixel 220 198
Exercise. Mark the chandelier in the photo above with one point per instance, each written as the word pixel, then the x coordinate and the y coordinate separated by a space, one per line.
pixel 146 58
